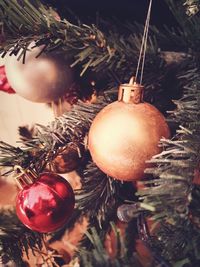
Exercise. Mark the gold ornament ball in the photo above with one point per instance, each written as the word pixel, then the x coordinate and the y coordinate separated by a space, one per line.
pixel 123 136
pixel 40 79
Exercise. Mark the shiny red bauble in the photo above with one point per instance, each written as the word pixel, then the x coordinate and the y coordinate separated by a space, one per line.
pixel 47 204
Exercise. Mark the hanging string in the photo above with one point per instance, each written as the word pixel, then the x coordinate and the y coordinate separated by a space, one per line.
pixel 146 39
pixel 142 55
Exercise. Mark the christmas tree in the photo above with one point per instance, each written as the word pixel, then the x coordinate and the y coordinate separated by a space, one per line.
pixel 134 191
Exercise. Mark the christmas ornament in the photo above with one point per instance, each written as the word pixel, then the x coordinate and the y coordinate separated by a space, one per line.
pixel 4 85
pixel 67 159
pixel 46 203
pixel 125 134
pixel 42 78
pixel 127 212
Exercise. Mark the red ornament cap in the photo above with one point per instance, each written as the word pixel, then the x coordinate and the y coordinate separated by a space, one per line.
pixel 46 204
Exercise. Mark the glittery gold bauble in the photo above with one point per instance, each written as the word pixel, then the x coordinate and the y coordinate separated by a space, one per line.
pixel 125 134
pixel 67 159
pixel 42 78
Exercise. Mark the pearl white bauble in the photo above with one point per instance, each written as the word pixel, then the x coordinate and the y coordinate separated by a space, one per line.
pixel 41 79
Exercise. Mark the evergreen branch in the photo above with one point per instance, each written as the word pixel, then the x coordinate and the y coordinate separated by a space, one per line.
pixel 89 46
pixel 189 27
pixel 174 175
pixel 145 236
pixel 11 156
pixel 105 52
pixel 186 240
pixel 192 7
pixel 72 127
pixel 99 195
pixel 98 256
pixel 29 156
pixel 15 238
pixel 20 16
pixel 177 163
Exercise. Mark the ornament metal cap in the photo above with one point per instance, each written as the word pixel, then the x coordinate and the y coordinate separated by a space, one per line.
pixel 25 176
pixel 131 92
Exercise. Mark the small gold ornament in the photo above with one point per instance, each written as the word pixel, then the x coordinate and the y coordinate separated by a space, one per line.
pixel 68 158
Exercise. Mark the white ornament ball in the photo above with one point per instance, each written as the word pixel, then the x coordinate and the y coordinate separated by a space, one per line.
pixel 40 79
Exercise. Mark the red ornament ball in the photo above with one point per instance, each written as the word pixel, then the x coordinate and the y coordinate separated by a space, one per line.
pixel 47 204
pixel 4 85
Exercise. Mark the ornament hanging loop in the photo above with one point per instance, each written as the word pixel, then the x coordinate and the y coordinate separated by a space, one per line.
pixel 131 92
pixel 24 176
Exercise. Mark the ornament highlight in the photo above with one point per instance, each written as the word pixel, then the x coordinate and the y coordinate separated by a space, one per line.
pixel 42 78
pixel 46 203
pixel 125 134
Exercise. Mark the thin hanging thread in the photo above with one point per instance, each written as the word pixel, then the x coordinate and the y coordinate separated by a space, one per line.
pixel 142 55
pixel 145 43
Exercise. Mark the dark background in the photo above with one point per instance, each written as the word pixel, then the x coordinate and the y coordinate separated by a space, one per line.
pixel 123 10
